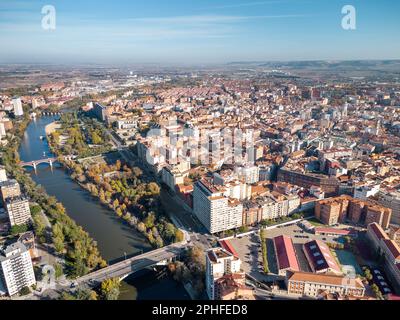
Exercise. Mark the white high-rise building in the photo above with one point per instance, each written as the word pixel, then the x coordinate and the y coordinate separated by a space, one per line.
pixel 214 209
pixel 18 210
pixel 219 262
pixel 249 174
pixel 16 269
pixel 3 174
pixel 18 110
pixel 3 132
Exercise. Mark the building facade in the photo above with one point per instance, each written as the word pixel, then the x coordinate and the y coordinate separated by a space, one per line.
pixel 312 285
pixel 18 211
pixel 219 262
pixel 9 189
pixel 16 268
pixel 214 210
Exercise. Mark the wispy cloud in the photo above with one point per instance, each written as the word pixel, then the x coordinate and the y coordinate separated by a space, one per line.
pixel 195 19
pixel 248 4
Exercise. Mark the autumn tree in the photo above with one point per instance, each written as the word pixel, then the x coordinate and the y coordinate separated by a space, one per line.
pixel 110 289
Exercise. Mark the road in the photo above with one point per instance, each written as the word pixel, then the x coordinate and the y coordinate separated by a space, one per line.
pixel 182 218
pixel 114 140
pixel 133 264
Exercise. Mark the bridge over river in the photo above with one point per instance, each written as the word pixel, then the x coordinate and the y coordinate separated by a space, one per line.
pixel 48 161
pixel 126 267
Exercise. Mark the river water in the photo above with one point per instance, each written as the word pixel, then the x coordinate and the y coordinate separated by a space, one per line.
pixel 113 237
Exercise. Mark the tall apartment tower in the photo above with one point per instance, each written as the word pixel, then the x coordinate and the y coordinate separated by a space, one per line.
pixel 18 110
pixel 3 132
pixel 3 174
pixel 219 262
pixel 18 210
pixel 214 209
pixel 9 189
pixel 16 269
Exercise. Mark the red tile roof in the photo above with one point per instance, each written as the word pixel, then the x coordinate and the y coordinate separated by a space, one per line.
pixel 393 248
pixel 341 232
pixel 285 253
pixel 228 247
pixel 378 231
pixel 320 256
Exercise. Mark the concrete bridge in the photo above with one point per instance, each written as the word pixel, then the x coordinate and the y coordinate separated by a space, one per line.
pixel 49 161
pixel 35 163
pixel 50 113
pixel 126 267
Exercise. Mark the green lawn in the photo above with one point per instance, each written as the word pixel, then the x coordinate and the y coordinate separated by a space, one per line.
pixel 315 222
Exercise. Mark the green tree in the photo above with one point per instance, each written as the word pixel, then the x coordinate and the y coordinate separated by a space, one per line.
pixel 58 270
pixel 35 209
pixel 17 229
pixel 58 244
pixel 25 291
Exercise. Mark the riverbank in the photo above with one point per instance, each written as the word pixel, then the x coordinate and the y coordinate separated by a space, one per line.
pixel 70 241
pixel 118 187
pixel 52 127
pixel 113 237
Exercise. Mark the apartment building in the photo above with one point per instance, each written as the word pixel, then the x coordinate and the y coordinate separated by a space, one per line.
pixel 329 185
pixel 219 262
pixel 100 111
pixel 273 205
pixel 313 285
pixel 249 174
pixel 16 269
pixel 394 234
pixel 378 214
pixel 174 175
pixel 18 109
pixel 339 209
pixel 391 200
pixel 233 287
pixel 9 188
pixel 3 174
pixel 364 192
pixel 278 205
pixel 330 211
pixel 18 210
pixel 216 211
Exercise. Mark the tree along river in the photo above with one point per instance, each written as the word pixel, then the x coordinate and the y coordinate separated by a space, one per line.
pixel 114 238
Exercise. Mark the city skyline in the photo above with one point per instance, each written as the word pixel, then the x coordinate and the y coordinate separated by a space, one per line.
pixel 205 32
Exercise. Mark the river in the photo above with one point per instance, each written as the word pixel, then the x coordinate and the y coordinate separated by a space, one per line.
pixel 114 238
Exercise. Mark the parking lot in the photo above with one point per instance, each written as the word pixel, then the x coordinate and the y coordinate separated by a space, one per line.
pixel 297 234
pixel 249 250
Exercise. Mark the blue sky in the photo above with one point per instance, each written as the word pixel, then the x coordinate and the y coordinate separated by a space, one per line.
pixel 197 31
